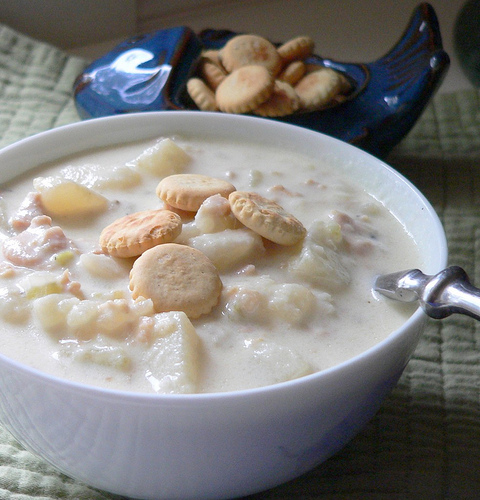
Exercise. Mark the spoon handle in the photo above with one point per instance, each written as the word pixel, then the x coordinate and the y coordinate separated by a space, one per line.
pixel 441 295
pixel 448 292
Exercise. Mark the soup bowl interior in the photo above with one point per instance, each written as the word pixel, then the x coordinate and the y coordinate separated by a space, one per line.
pixel 212 445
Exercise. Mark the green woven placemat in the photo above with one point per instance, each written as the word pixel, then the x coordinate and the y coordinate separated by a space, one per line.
pixel 449 127
pixel 424 443
pixel 35 86
pixel 35 95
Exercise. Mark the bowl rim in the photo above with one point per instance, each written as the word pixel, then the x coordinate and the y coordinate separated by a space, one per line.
pixel 50 137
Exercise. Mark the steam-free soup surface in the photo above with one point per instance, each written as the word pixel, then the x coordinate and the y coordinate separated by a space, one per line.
pixel 284 311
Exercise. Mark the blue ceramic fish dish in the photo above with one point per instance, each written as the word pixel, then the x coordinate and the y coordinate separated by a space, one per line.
pixel 150 72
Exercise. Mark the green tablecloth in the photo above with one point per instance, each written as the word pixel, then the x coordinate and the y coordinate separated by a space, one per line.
pixel 424 443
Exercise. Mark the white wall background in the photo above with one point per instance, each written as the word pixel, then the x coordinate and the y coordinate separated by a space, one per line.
pixel 347 30
pixel 70 23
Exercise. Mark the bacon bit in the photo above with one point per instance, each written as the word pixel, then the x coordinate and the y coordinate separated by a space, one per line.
pixel 248 270
pixel 7 270
pixel 282 189
pixel 145 329
pixel 36 244
pixel 358 235
pixel 314 183
pixel 30 208
pixel 73 287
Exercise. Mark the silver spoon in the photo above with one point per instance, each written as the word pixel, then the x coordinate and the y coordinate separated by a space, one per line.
pixel 441 295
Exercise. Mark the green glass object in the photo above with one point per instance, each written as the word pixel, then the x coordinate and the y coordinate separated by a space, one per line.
pixel 467 40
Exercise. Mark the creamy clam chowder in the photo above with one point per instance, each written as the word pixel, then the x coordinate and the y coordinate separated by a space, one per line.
pixel 283 312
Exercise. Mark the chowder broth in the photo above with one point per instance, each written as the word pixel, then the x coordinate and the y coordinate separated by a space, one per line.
pixel 284 312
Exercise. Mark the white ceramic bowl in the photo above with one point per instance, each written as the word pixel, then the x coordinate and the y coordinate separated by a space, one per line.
pixel 211 445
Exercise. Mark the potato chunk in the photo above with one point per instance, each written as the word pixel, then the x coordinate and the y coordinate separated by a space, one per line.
pixel 51 311
pixel 276 363
pixel 99 177
pixel 165 158
pixel 102 266
pixel 172 360
pixel 261 300
pixel 292 302
pixel 100 351
pixel 215 215
pixel 320 262
pixel 69 199
pixel 229 248
pixel 14 306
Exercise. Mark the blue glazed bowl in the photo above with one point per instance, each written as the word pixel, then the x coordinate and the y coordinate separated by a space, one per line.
pixel 149 73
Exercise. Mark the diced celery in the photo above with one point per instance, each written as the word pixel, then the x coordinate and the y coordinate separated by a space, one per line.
pixel 63 258
pixel 47 289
